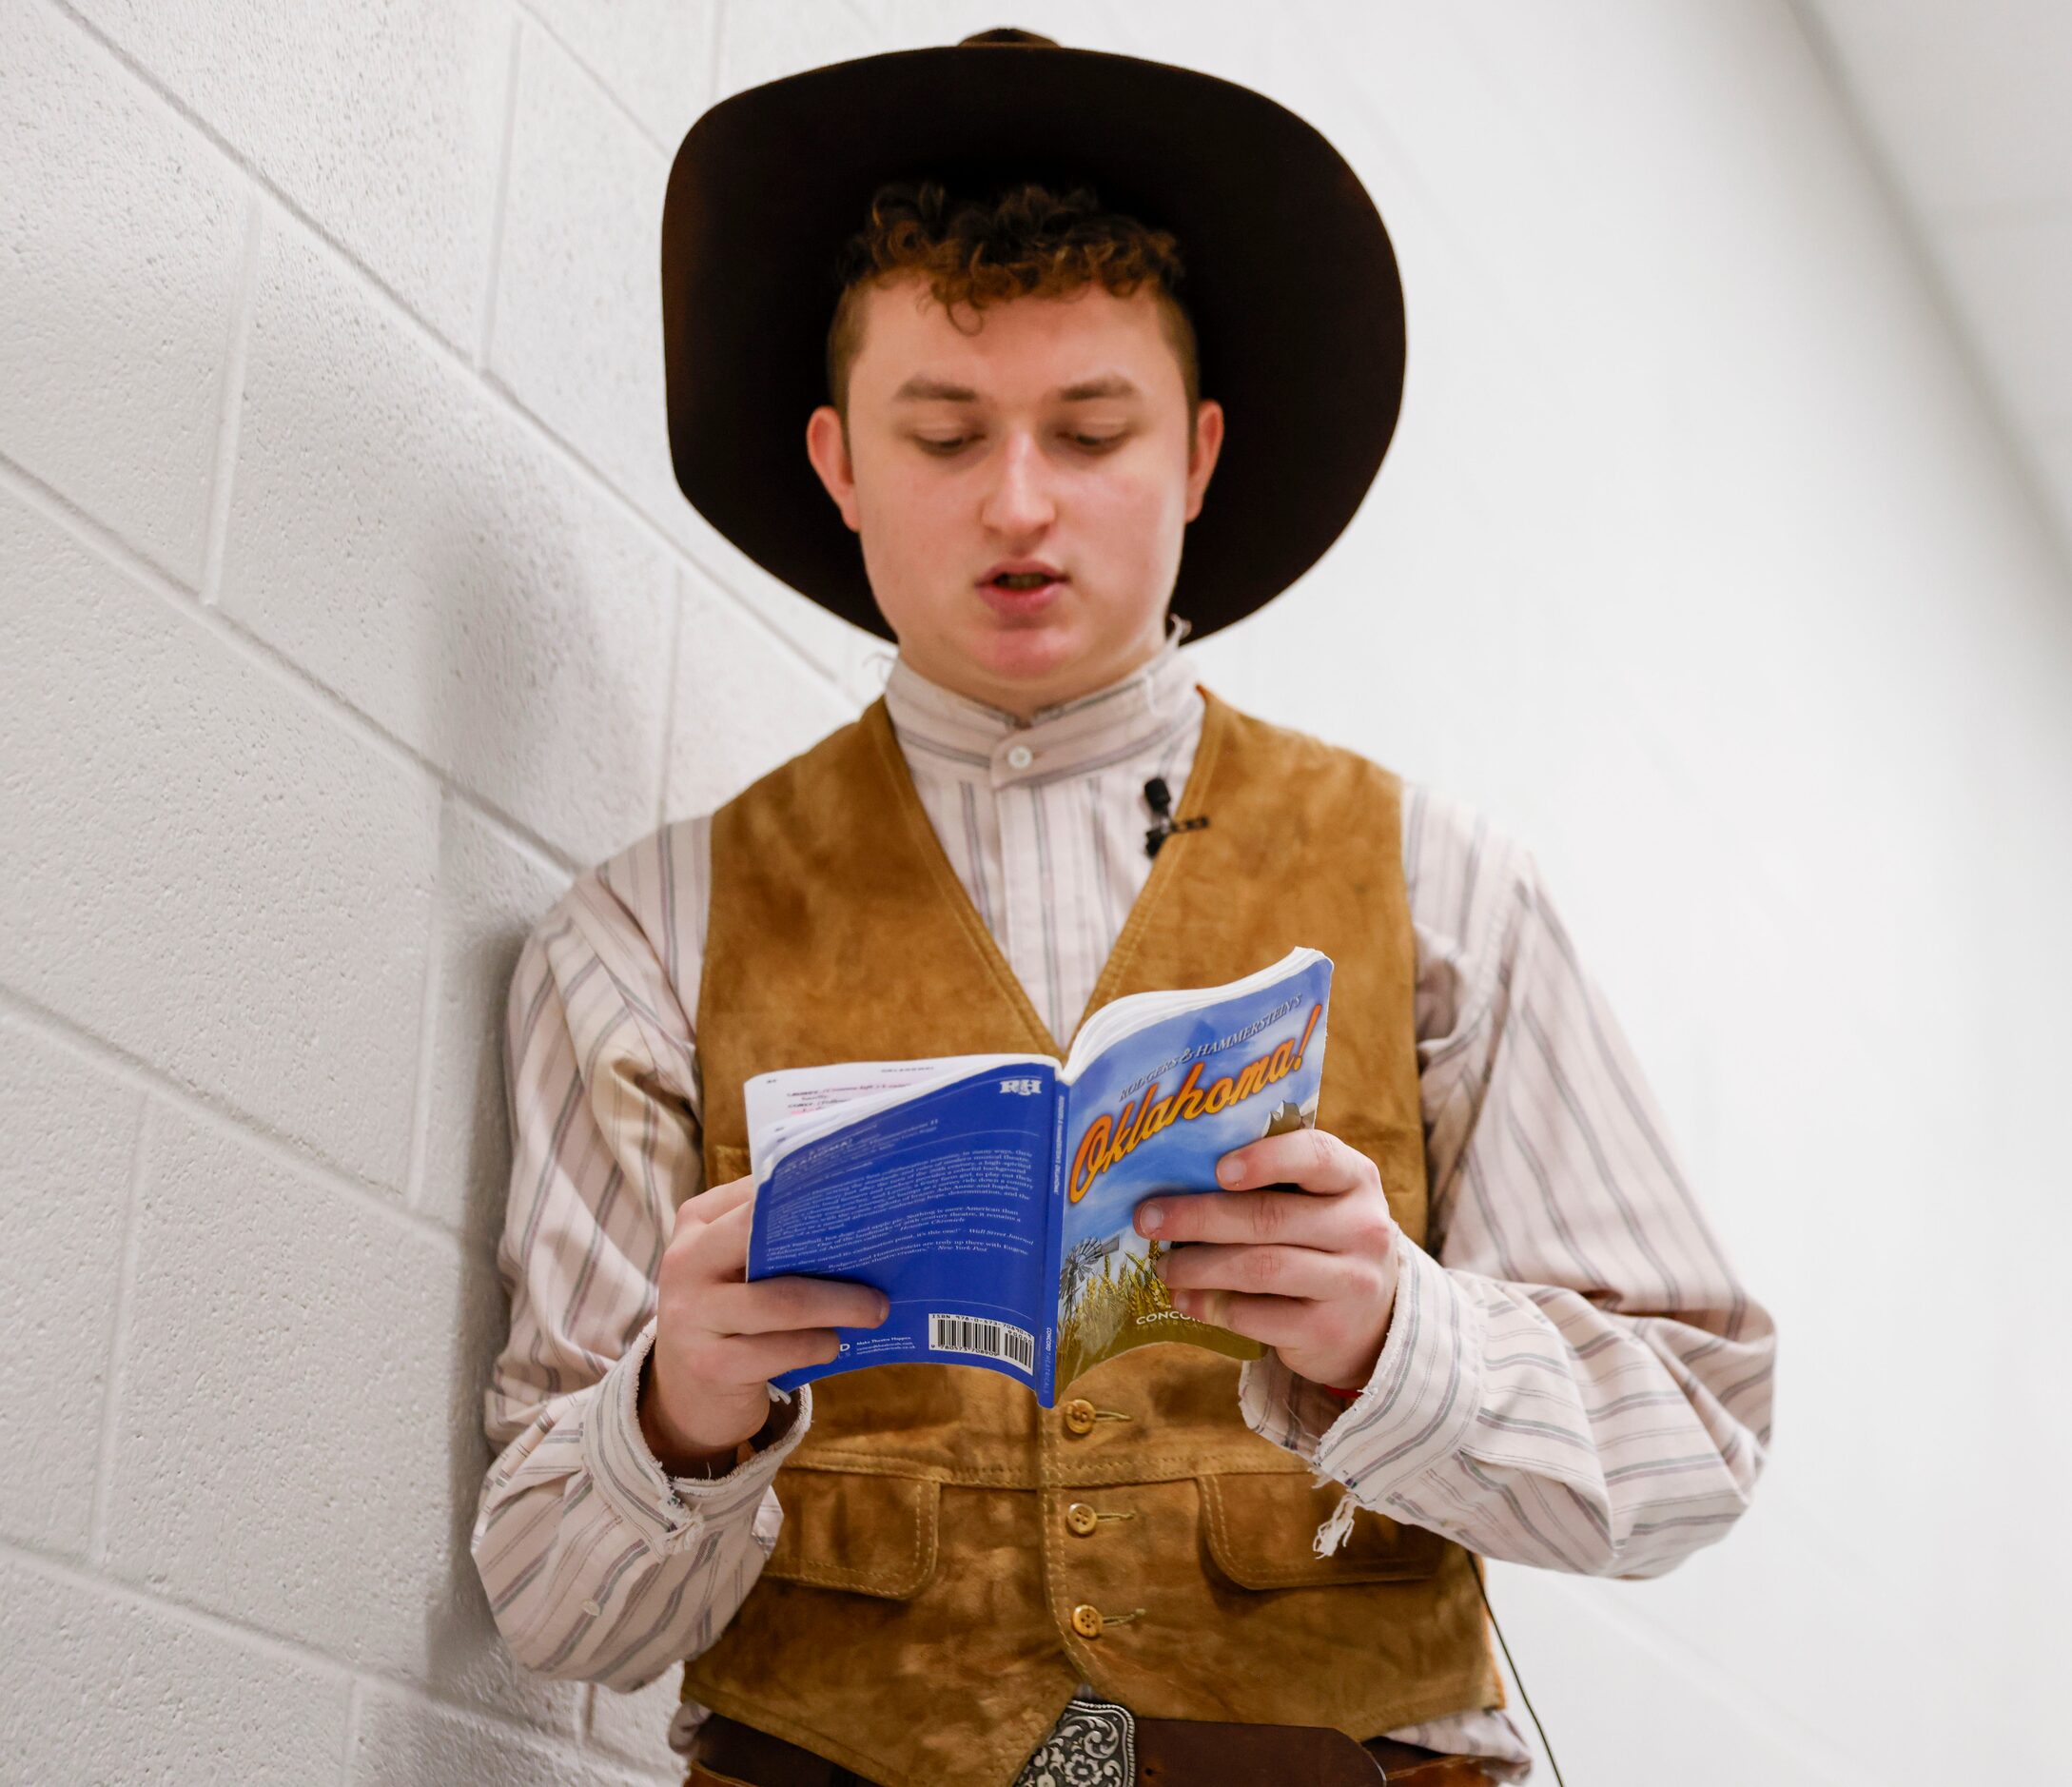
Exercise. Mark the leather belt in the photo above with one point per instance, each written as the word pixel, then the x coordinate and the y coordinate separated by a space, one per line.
pixel 1170 1753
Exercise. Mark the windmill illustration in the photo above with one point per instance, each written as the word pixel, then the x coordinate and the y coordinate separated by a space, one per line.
pixel 1079 1268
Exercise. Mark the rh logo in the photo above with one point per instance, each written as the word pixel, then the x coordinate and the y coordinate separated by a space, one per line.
pixel 1029 1088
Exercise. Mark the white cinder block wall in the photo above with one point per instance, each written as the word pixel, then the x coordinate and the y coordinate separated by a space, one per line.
pixel 348 609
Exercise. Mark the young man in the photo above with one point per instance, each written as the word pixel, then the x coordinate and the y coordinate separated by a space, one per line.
pixel 1497 1321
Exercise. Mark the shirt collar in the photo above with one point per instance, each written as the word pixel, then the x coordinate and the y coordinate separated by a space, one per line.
pixel 1148 705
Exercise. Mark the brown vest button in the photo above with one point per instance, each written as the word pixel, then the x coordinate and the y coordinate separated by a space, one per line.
pixel 1080 1519
pixel 1079 1415
pixel 1086 1620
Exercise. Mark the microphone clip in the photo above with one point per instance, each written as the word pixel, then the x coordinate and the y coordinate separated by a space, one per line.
pixel 1159 800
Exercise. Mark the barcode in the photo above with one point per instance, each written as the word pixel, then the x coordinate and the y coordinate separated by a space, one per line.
pixel 996 1340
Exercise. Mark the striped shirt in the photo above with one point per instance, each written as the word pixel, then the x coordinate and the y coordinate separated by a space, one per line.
pixel 1572 1377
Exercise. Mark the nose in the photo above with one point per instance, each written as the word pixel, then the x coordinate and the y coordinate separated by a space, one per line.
pixel 1019 501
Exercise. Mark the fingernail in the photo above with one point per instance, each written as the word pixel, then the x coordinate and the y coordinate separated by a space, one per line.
pixel 884 1307
pixel 1151 1218
pixel 1226 1172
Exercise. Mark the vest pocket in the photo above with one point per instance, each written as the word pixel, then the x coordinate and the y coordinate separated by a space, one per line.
pixel 1260 1527
pixel 847 1529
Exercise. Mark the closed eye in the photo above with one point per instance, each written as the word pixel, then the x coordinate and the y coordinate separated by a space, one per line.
pixel 1092 442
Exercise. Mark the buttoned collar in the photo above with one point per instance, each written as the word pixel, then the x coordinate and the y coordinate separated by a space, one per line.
pixel 1134 713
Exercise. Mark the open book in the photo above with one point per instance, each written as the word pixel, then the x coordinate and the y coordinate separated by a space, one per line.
pixel 992 1198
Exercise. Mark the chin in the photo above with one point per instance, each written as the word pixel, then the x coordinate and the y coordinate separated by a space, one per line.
pixel 1028 655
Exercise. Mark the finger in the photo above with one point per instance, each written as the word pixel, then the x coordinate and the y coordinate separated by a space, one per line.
pixel 754 1358
pixel 1310 1160
pixel 722 1245
pixel 1270 1271
pixel 771 1305
pixel 1244 1216
pixel 1290 1322
pixel 715 1201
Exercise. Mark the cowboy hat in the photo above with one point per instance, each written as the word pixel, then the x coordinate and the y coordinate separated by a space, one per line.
pixel 1289 280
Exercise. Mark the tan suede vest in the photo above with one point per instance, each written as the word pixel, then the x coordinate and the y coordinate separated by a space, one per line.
pixel 940 1588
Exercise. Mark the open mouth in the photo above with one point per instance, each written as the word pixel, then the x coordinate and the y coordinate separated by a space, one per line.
pixel 1022 596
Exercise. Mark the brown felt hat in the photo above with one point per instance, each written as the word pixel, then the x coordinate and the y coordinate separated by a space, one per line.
pixel 1288 277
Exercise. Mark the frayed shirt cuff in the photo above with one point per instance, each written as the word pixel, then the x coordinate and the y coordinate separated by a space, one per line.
pixel 668 1512
pixel 1417 1409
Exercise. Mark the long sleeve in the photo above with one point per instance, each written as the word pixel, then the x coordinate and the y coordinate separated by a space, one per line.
pixel 1573 1377
pixel 597 1566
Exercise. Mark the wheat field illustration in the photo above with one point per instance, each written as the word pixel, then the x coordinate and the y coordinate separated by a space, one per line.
pixel 1100 1303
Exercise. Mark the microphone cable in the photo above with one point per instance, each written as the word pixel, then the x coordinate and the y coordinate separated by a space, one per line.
pixel 1516 1676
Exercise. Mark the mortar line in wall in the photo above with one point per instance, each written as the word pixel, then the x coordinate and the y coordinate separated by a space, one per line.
pixel 753 609
pixel 501 395
pixel 126 1284
pixel 224 147
pixel 500 206
pixel 95 536
pixel 371 282
pixel 54 505
pixel 589 70
pixel 421 1094
pixel 271 657
pixel 544 854
pixel 232 397
pixel 209 1110
pixel 282 1648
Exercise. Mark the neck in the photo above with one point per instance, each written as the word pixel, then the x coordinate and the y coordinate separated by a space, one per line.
pixel 1024 702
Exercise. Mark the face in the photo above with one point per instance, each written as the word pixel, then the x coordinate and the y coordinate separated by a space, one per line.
pixel 1054 435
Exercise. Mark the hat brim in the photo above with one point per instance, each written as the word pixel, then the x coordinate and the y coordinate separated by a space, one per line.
pixel 1289 277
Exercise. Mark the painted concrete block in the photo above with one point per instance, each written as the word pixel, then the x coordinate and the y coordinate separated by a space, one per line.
pixel 400 533
pixel 577 329
pixel 744 703
pixel 382 125
pixel 403 1740
pixel 124 235
pixel 288 1405
pixel 104 1686
pixel 655 56
pixel 69 1145
pixel 492 892
pixel 208 869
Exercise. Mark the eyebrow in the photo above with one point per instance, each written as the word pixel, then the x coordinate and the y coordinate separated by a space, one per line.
pixel 920 387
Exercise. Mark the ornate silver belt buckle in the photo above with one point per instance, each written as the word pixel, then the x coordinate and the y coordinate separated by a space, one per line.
pixel 1093 1744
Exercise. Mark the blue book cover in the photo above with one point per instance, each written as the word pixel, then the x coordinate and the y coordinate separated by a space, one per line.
pixel 992 1198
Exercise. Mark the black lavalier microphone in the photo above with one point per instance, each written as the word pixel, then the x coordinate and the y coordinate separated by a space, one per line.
pixel 1161 800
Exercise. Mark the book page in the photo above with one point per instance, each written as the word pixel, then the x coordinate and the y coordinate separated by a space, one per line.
pixel 1122 1018
pixel 778 1102
pixel 1153 1113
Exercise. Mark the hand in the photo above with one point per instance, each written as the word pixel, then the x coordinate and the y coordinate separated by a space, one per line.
pixel 719 1338
pixel 1309 1271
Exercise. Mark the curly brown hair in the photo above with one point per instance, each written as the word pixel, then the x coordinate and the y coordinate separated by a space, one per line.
pixel 1025 241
